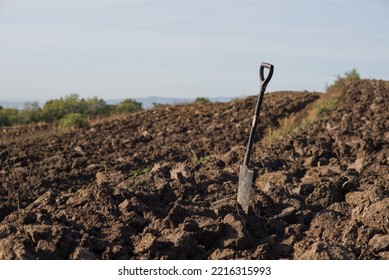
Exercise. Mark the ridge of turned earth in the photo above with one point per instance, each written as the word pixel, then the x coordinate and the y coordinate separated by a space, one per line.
pixel 321 193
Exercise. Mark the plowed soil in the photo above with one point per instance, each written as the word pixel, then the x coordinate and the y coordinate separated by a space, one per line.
pixel 162 184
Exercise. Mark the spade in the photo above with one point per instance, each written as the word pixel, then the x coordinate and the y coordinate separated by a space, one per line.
pixel 245 174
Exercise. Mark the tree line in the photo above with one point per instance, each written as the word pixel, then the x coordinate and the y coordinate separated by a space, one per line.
pixel 70 110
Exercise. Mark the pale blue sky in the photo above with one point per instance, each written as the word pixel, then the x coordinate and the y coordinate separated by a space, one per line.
pixel 170 48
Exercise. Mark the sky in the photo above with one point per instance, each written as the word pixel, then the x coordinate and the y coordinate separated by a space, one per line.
pixel 184 49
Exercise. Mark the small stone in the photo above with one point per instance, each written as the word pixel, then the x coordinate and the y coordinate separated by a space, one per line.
pixel 358 164
pixel 79 150
pixel 145 243
pixel 145 133
pixel 311 161
pixel 101 178
pixel 125 206
pixel 268 187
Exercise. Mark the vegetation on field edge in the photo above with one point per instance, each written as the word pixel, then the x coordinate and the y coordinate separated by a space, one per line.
pixel 70 111
pixel 75 112
pixel 326 103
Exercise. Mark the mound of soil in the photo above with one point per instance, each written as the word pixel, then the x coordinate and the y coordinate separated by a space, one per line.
pixel 162 183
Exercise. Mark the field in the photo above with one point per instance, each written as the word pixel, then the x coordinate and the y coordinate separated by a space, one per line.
pixel 162 183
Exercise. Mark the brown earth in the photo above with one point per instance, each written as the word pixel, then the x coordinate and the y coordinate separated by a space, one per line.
pixel 161 184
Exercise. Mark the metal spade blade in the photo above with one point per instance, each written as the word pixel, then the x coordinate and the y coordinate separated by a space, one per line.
pixel 244 187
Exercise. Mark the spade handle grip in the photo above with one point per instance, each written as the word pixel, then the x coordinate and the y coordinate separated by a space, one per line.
pixel 266 80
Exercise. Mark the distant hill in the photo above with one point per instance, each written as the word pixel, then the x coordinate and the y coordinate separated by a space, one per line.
pixel 18 104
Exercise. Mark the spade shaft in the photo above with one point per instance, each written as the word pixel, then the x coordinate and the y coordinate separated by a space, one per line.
pixel 245 174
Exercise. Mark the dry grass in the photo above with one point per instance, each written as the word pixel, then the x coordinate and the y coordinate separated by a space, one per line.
pixel 109 118
pixel 326 103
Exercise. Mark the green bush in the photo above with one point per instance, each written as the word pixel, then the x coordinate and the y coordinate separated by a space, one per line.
pixel 342 82
pixel 30 113
pixel 352 75
pixel 127 106
pixel 9 116
pixel 96 107
pixel 73 120
pixel 202 100
pixel 56 109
